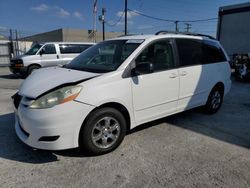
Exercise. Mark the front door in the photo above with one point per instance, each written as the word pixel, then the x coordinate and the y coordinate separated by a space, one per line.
pixel 155 95
pixel 49 56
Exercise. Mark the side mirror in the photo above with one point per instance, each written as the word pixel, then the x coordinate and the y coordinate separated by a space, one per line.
pixel 143 68
pixel 41 52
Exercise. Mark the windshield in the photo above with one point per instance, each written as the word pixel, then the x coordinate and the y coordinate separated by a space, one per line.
pixel 33 50
pixel 104 57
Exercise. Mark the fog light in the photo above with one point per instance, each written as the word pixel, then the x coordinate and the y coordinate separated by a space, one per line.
pixel 48 138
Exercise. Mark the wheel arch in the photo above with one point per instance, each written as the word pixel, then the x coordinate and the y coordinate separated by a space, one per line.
pixel 34 64
pixel 121 108
pixel 221 86
pixel 118 106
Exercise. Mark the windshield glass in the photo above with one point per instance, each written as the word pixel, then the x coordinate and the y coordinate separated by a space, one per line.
pixel 105 56
pixel 33 50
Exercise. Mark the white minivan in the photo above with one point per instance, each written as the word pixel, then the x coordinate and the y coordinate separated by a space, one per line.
pixel 46 55
pixel 116 85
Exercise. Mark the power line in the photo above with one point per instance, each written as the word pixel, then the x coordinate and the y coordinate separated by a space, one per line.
pixel 152 17
pixel 168 20
pixel 201 20
pixel 118 21
pixel 154 26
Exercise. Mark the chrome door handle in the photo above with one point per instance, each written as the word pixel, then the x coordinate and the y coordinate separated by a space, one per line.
pixel 173 75
pixel 183 73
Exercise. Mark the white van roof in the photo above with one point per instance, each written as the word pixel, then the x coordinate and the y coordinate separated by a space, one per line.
pixel 90 43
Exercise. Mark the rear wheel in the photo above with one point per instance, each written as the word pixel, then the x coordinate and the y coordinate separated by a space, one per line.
pixel 214 101
pixel 103 131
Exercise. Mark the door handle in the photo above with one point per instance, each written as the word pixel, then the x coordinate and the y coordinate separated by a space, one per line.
pixel 173 75
pixel 57 56
pixel 183 73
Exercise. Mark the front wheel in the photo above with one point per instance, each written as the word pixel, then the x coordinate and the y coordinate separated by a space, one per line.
pixel 103 131
pixel 214 101
pixel 32 68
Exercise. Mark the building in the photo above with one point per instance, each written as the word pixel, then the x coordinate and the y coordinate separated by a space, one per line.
pixel 233 29
pixel 70 35
pixel 4 51
pixel 12 48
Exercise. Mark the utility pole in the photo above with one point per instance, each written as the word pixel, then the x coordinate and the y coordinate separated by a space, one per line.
pixel 94 21
pixel 102 19
pixel 176 26
pixel 11 44
pixel 188 26
pixel 17 44
pixel 126 14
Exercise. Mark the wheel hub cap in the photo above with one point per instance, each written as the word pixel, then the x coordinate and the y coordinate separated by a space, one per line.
pixel 216 100
pixel 105 132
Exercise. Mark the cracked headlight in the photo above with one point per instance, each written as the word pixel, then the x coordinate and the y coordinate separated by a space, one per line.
pixel 56 97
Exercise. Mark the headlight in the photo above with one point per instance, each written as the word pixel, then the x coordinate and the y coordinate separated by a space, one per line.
pixel 56 97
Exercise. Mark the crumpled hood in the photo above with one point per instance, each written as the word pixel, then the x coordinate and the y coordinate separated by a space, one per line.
pixel 42 80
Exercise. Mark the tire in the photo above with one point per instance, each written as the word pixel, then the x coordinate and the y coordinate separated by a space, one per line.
pixel 103 131
pixel 32 68
pixel 23 75
pixel 214 101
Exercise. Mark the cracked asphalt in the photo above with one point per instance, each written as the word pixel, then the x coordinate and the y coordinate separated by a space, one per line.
pixel 190 149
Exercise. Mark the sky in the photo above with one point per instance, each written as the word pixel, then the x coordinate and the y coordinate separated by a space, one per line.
pixel 35 16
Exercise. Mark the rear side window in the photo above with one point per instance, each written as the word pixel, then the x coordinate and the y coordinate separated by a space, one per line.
pixel 190 51
pixel 212 53
pixel 49 49
pixel 195 52
pixel 73 48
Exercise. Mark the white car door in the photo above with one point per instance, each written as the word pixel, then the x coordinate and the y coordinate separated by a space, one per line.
pixel 49 56
pixel 194 77
pixel 155 94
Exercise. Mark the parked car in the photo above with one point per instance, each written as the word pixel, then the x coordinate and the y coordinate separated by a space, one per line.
pixel 241 65
pixel 45 55
pixel 117 85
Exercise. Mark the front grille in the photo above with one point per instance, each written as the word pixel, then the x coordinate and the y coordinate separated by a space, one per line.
pixel 16 100
pixel 15 62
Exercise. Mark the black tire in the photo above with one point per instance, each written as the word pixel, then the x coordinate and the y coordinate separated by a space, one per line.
pixel 94 127
pixel 32 68
pixel 23 75
pixel 214 101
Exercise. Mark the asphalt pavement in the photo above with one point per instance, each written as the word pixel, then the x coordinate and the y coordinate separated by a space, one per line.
pixel 190 149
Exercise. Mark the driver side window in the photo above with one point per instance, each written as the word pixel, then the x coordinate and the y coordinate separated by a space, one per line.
pixel 160 54
pixel 49 49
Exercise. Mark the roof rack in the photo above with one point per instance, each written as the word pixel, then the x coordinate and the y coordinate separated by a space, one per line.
pixel 184 33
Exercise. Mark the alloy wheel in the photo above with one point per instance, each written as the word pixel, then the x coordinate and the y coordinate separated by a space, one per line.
pixel 105 132
pixel 216 100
